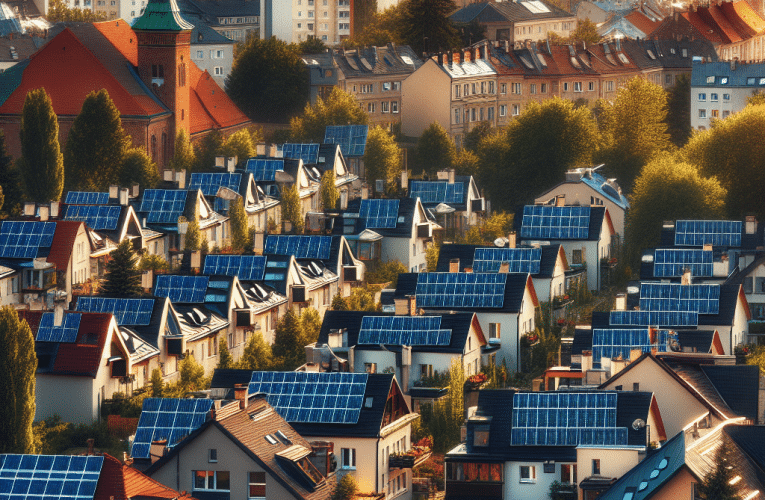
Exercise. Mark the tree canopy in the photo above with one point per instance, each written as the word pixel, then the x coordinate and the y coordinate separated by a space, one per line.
pixel 41 163
pixel 679 111
pixel 291 208
pixel 293 333
pixel 137 168
pixel 123 279
pixel 339 108
pixel 425 25
pixel 257 355
pixel 383 28
pixel 328 191
pixel 435 149
pixel 59 11
pixel 718 484
pixel 382 159
pixel 183 157
pixel 10 181
pixel 239 144
pixel 240 234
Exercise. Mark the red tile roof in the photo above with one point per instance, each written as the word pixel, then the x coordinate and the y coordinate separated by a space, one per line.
pixel 138 484
pixel 642 22
pixel 715 15
pixel 63 243
pixel 705 29
pixel 122 37
pixel 751 21
pixel 111 485
pixel 120 482
pixel 217 105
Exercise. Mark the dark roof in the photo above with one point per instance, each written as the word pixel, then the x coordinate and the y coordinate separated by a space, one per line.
pixel 465 254
pixel 490 12
pixel 696 340
pixel 385 60
pixel 220 8
pixel 751 439
pixel 582 340
pixel 739 386
pixel 202 34
pixel 597 219
pixel 406 209
pixel 224 378
pixel 728 301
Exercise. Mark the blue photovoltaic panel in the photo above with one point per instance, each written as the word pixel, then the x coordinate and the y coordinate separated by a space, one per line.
pixel 654 318
pixel 170 419
pixel 461 289
pixel 379 213
pixel 702 298
pixel 125 311
pixel 21 240
pixel 404 330
pixel 566 419
pixel 613 342
pixel 182 289
pixel 309 153
pixel 325 397
pixel 722 233
pixel 67 332
pixel 49 477
pixel 352 139
pixel 86 198
pixel 210 183
pixel 263 169
pixel 302 247
pixel 163 205
pixel 438 192
pixel 672 262
pixel 565 223
pixel 246 267
pixel 520 260
pixel 98 217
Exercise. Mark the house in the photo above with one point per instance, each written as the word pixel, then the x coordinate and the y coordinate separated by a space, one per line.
pixel 212 51
pixel 638 23
pixel 230 19
pixel 662 60
pixel 735 28
pixel 272 174
pixel 454 199
pixel 322 74
pixel 505 305
pixel 721 88
pixel 671 264
pixel 9 286
pixel 352 140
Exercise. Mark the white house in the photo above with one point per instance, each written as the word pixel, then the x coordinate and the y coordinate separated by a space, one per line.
pixel 721 88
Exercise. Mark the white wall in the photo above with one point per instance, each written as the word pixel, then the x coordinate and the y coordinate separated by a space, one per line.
pixel 68 397
pixel 737 102
pixel 425 97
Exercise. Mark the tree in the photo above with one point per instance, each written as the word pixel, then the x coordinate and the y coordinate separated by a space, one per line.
pixel 192 375
pixel 338 303
pixel 435 149
pixel 96 145
pixel 10 181
pixel 634 129
pixel 123 279
pixel 467 162
pixel 361 299
pixel 718 484
pixel 291 208
pixel 498 225
pixel 475 135
pixel 150 262
pixel 386 272
pixel 431 257
pixel 157 385
pixel 257 355
pixel 586 31
pixel 239 144
pixel 339 108
pixel 41 163
pixel 183 157
pixel 288 349
pixel 18 364
pixel 60 11
pixel 193 240
pixel 137 168
pixel 310 323
pixel 679 111
pixel 240 234
pixel 425 25
pixel 345 489
pixel 383 28
pixel 268 80
pixel 312 45
pixel 471 32
pixel 225 360
pixel 363 14
pixel 328 191
pixel 213 144
pixel 382 158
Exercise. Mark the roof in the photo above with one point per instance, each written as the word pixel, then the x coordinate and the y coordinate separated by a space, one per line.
pixel 387 60
pixel 139 485
pixel 63 243
pixel 750 438
pixel 597 219
pixel 465 254
pixel 162 15
pixel 738 385
pixel 406 210
pixel 738 77
pixel 202 34
pixel 211 10
pixel 599 183
pixel 490 12
pixel 210 106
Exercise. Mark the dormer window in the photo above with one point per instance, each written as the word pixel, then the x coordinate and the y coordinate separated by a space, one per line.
pixel 481 435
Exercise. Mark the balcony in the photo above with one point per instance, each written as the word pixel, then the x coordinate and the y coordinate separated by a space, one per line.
pixel 410 459
pixel 559 302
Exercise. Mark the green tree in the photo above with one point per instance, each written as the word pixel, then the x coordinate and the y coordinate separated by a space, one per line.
pixel 288 349
pixel 586 31
pixel 383 28
pixel 193 240
pixel 363 14
pixel 212 145
pixel 382 158
pixel 41 163
pixel 338 303
pixel 240 234
pixel 386 272
pixel 328 191
pixel 312 45
pixel 18 364
pixel 240 144
pixel 431 257
pixel 471 32
pixel 717 484
pixel 361 299
pixel 192 375
pixel 679 111
pixel 425 25
pixel 345 489
pixel 339 108
pixel 225 360
pixel 268 80
pixel 291 208
pixel 61 12
pixel 310 323
pixel 183 156
pixel 122 279
pixel 157 385
pixel 257 355
pixel 756 98
pixel 150 262
pixel 10 181
pixel 476 134
pixel 435 149
pixel 96 145
pixel 498 225
pixel 467 163
pixel 137 168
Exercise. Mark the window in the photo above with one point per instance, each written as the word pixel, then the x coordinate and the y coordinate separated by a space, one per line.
pixel 713 97
pixel 610 86
pixel 503 88
pixel 543 88
pixel 215 480
pixel 324 37
pixel 472 89
pixel 212 455
pixel 300 25
pixel 568 473
pixel 480 114
pixel 516 109
pixel 310 26
pixel 384 107
pixel 348 458
pixel 702 113
pixel 344 26
pixel 371 107
pixel 472 115
pixel 595 466
pixel 200 54
pixel 426 371
pixel 577 86
pixel 726 97
pixel 636 386
pixel 576 256
pixel 483 87
pixel 385 86
pixel 503 110
pixel 723 80
pixel 725 113
pixel 492 90
pixel 710 79
pixel 715 113
pixel 466 90
pixel 456 116
pixel 565 86
pixel 516 88
pixel 310 13
pixel 218 70
pixel 490 113
pixel 494 330
pixel 528 474
pixel 591 86
pixel 396 85
pixel 257 486
pixel 370 367
pixel 533 88
pixel 394 106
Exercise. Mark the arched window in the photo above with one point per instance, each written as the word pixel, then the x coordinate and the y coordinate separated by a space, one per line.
pixel 164 149
pixel 154 148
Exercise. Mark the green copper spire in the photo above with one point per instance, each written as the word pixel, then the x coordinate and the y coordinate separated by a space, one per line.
pixel 162 15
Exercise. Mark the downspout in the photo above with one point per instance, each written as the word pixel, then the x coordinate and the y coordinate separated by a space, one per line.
pixel 518 343
pixel 377 462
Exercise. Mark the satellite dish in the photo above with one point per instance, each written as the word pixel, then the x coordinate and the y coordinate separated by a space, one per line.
pixel 638 424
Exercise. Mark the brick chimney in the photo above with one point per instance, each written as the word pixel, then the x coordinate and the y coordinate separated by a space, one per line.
pixel 511 240
pixel 454 266
pixel 240 394
pixel 412 310
pixel 504 267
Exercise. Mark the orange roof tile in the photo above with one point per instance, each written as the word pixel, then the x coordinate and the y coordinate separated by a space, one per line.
pixel 705 29
pixel 749 17
pixel 642 22
pixel 63 243
pixel 138 484
pixel 720 19
pixel 122 36
pixel 213 102
pixel 111 485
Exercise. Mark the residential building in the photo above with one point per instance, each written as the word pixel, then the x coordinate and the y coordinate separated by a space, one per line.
pixel 322 74
pixel 721 88
pixel 16 48
pixel 299 20
pixel 735 28
pixel 232 19
pixel 212 51
pixel 293 169
pixel 638 23
pixel 454 199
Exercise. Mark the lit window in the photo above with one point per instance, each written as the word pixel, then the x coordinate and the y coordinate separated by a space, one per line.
pixel 528 474
pixel 257 486
pixel 210 480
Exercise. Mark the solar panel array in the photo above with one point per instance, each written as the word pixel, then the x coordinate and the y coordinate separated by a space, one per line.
pixel 170 419
pixel 438 192
pixel 566 419
pixel 461 289
pixel 723 233
pixel 86 198
pixel 544 221
pixel 654 318
pixel 329 398
pixel 21 240
pixel 520 260
pixel 246 267
pixel 670 262
pixel 404 330
pixel 210 183
pixel 182 289
pixel 701 298
pixel 125 311
pixel 379 213
pixel 47 331
pixel 98 217
pixel 302 247
pixel 49 477
pixel 163 205
pixel 309 153
pixel 352 139
pixel 263 169
pixel 611 343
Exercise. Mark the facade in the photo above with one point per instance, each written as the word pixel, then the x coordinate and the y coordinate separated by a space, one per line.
pixel 455 200
pixel 721 88
pixel 232 19
pixel 212 52
pixel 734 27
pixel 299 20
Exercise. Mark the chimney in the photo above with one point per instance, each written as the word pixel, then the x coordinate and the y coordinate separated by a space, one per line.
pixel 231 162
pixel 707 247
pixel 180 178
pixel 260 149
pixel 114 192
pixel 124 192
pixel 733 64
pixel 477 53
pixel 54 205
pixel 560 200
pixel 686 279
pixel 469 269
pixel 621 302
pixel 44 212
pixel 412 310
pixel 504 267
pixel 240 394
pixel 511 240
pixel 167 175
pixel 451 176
pixel 449 57
pixel 220 161
pixel 750 226
pixel 586 361
pixel 29 208
pixel 91 445
pixel 406 367
pixel 466 56
pixel 454 266
pixel 440 58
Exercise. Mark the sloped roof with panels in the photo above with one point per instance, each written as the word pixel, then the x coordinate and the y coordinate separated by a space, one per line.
pixel 387 60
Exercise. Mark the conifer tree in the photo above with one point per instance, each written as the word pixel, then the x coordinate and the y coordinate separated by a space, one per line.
pixel 123 279
pixel 291 210
pixel 193 236
pixel 224 355
pixel 10 181
pixel 157 385
pixel 717 483
pixel 240 234
pixel 183 157
pixel 257 355
pixel 137 168
pixel 41 163
pixel 328 190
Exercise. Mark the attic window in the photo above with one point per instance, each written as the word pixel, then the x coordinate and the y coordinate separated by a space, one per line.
pixel 723 80
pixel 663 464
pixel 672 51
pixel 271 439
pixel 481 435
pixel 90 338
pixel 710 79
pixel 623 58
pixel 283 437
pixel 368 402
pixel 643 485
pixel 650 54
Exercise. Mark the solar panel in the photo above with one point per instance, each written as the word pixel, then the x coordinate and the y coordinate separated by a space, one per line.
pixel 182 289
pixel 352 139
pixel 724 233
pixel 654 318
pixel 246 267
pixel 404 330
pixel 520 260
pixel 325 397
pixel 701 298
pixel 461 289
pixel 49 477
pixel 125 311
pixel 309 153
pixel 47 331
pixel 566 419
pixel 379 213
pixel 438 192
pixel 21 240
pixel 264 169
pixel 98 217
pixel 611 343
pixel 210 183
pixel 86 198
pixel 163 205
pixel 544 221
pixel 170 419
pixel 670 262
pixel 302 247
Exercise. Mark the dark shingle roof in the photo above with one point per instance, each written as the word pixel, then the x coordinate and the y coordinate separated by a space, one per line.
pixel 465 254
pixel 491 12
pixel 739 386
pixel 751 439
pixel 382 61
